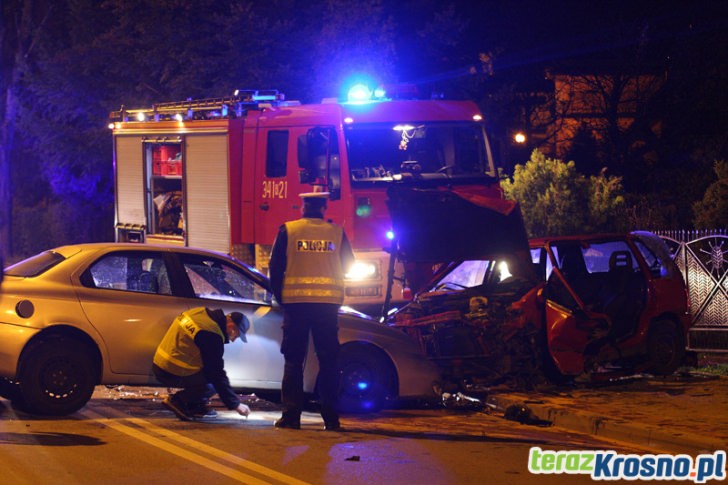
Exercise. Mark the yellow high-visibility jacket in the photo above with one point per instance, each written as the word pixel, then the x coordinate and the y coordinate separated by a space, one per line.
pixel 177 353
pixel 314 273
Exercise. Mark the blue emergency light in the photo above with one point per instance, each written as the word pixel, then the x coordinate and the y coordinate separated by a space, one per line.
pixel 359 93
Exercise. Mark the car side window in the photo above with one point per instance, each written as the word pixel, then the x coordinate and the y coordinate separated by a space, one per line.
pixel 597 256
pixel 656 266
pixel 136 271
pixel 541 263
pixel 215 279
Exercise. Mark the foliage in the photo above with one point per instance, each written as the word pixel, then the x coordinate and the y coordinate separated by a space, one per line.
pixel 650 211
pixel 712 211
pixel 557 200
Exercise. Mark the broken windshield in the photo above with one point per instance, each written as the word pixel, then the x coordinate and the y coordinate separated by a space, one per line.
pixel 382 152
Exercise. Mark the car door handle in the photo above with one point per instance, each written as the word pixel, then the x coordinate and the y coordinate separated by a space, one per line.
pixel 264 206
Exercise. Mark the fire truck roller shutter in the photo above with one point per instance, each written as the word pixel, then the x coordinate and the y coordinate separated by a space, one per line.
pixel 207 184
pixel 130 180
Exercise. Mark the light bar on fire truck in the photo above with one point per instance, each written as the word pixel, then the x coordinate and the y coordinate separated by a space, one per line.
pixel 200 109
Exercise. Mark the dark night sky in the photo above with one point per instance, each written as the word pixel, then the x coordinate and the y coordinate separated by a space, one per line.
pixel 532 32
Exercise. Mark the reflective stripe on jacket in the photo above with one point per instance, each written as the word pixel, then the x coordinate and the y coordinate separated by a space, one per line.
pixel 314 273
pixel 177 353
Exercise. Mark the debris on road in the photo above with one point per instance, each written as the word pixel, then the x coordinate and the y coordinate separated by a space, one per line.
pixel 522 414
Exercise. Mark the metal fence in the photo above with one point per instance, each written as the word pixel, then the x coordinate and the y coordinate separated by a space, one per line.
pixel 703 259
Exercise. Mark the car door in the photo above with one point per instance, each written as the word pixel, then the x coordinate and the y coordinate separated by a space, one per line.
pixel 586 306
pixel 218 282
pixel 127 295
pixel 571 326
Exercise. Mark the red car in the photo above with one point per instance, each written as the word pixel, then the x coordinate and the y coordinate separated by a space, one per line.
pixel 612 300
pixel 509 308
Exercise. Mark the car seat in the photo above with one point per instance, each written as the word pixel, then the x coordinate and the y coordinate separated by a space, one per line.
pixel 620 295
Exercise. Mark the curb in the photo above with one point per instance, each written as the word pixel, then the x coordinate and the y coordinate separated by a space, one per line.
pixel 613 428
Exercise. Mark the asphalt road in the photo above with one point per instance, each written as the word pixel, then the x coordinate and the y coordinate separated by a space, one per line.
pixel 124 435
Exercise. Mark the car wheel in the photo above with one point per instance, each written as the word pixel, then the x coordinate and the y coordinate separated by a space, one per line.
pixel 365 380
pixel 57 377
pixel 665 347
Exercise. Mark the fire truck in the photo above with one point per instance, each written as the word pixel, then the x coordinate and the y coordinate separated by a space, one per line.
pixel 225 173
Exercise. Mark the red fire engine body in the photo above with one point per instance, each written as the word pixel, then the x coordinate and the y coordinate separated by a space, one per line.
pixel 225 173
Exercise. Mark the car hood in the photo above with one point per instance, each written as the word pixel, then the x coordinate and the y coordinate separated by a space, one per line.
pixel 447 224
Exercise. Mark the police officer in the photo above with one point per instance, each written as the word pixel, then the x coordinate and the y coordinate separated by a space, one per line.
pixel 191 356
pixel 307 266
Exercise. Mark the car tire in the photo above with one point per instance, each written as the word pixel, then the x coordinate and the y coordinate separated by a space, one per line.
pixel 665 348
pixel 366 378
pixel 57 377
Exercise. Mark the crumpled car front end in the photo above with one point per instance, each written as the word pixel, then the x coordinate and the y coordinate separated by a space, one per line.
pixel 479 317
pixel 488 333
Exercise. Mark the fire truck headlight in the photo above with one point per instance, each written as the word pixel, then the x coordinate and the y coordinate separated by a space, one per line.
pixel 363 270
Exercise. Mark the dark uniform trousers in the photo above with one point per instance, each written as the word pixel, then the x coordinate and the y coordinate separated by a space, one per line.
pixel 320 319
pixel 196 390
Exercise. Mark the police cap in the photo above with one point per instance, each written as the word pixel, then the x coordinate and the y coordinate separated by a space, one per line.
pixel 242 322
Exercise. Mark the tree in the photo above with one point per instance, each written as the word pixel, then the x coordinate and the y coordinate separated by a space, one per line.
pixel 557 200
pixel 712 211
pixel 21 22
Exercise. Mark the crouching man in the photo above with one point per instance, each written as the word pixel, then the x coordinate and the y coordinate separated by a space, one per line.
pixel 190 356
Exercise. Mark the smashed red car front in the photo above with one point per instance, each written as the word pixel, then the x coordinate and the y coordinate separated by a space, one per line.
pixel 479 317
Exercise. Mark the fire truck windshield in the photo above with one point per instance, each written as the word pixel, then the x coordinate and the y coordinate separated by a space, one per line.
pixel 384 152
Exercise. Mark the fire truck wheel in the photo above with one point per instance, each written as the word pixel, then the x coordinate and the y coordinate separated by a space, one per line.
pixel 665 347
pixel 57 377
pixel 366 379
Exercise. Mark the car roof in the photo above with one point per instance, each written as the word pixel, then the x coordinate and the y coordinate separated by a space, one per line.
pixel 71 249
pixel 152 247
pixel 540 241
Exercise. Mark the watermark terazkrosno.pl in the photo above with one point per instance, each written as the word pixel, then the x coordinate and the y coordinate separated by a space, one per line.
pixel 610 465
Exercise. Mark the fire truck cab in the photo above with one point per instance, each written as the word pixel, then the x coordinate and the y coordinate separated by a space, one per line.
pixel 225 173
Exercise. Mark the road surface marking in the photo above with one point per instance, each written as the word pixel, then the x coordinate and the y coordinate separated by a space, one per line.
pixel 191 456
pixel 217 453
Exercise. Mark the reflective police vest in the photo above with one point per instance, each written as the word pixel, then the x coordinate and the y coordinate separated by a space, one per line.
pixel 177 353
pixel 314 273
